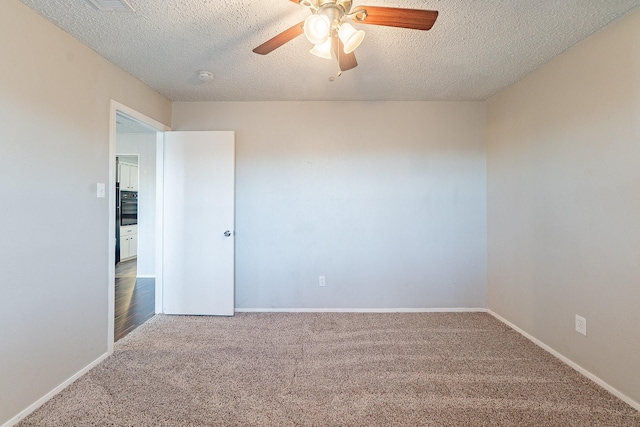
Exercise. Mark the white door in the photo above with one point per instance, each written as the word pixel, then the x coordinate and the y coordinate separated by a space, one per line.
pixel 198 243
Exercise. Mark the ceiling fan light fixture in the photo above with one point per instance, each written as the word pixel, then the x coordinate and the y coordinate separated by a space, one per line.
pixel 323 50
pixel 317 28
pixel 351 38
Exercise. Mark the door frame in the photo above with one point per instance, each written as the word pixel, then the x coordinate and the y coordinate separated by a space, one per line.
pixel 115 108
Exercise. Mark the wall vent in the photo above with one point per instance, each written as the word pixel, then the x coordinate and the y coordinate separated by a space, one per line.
pixel 112 5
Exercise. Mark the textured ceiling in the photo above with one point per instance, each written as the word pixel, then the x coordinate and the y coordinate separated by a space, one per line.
pixel 475 49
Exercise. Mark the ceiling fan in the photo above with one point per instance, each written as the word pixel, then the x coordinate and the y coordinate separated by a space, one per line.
pixel 333 36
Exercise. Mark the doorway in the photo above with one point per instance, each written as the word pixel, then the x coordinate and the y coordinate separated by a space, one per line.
pixel 135 225
pixel 133 272
pixel 221 277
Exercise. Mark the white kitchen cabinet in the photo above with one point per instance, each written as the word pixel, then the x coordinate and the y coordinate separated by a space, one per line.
pixel 128 242
pixel 128 176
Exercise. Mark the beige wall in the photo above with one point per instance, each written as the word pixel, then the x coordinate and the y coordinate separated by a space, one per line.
pixel 385 199
pixel 54 141
pixel 563 162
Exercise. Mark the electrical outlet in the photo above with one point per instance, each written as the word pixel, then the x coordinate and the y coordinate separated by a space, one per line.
pixel 321 281
pixel 581 325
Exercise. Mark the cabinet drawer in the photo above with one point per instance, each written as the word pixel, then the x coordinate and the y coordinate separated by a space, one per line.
pixel 128 229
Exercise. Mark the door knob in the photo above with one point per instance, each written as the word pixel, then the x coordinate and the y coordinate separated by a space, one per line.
pixel 227 233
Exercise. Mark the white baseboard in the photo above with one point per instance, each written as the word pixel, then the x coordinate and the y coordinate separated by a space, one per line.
pixel 569 362
pixel 29 409
pixel 362 310
pixel 146 276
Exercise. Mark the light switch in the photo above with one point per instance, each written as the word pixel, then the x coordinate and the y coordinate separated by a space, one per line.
pixel 101 189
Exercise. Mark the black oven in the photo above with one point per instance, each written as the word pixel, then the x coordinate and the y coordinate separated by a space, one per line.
pixel 128 207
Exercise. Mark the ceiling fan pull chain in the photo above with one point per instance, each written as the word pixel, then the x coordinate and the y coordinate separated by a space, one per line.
pixel 339 73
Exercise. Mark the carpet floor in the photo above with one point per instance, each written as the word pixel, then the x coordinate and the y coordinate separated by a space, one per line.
pixel 331 369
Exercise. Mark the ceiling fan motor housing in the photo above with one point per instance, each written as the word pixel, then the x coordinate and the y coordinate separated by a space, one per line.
pixel 334 13
pixel 344 4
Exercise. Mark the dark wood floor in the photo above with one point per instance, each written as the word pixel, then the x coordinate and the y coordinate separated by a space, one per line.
pixel 135 299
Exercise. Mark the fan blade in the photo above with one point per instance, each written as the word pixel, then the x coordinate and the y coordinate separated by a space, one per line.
pixel 414 19
pixel 280 39
pixel 346 61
